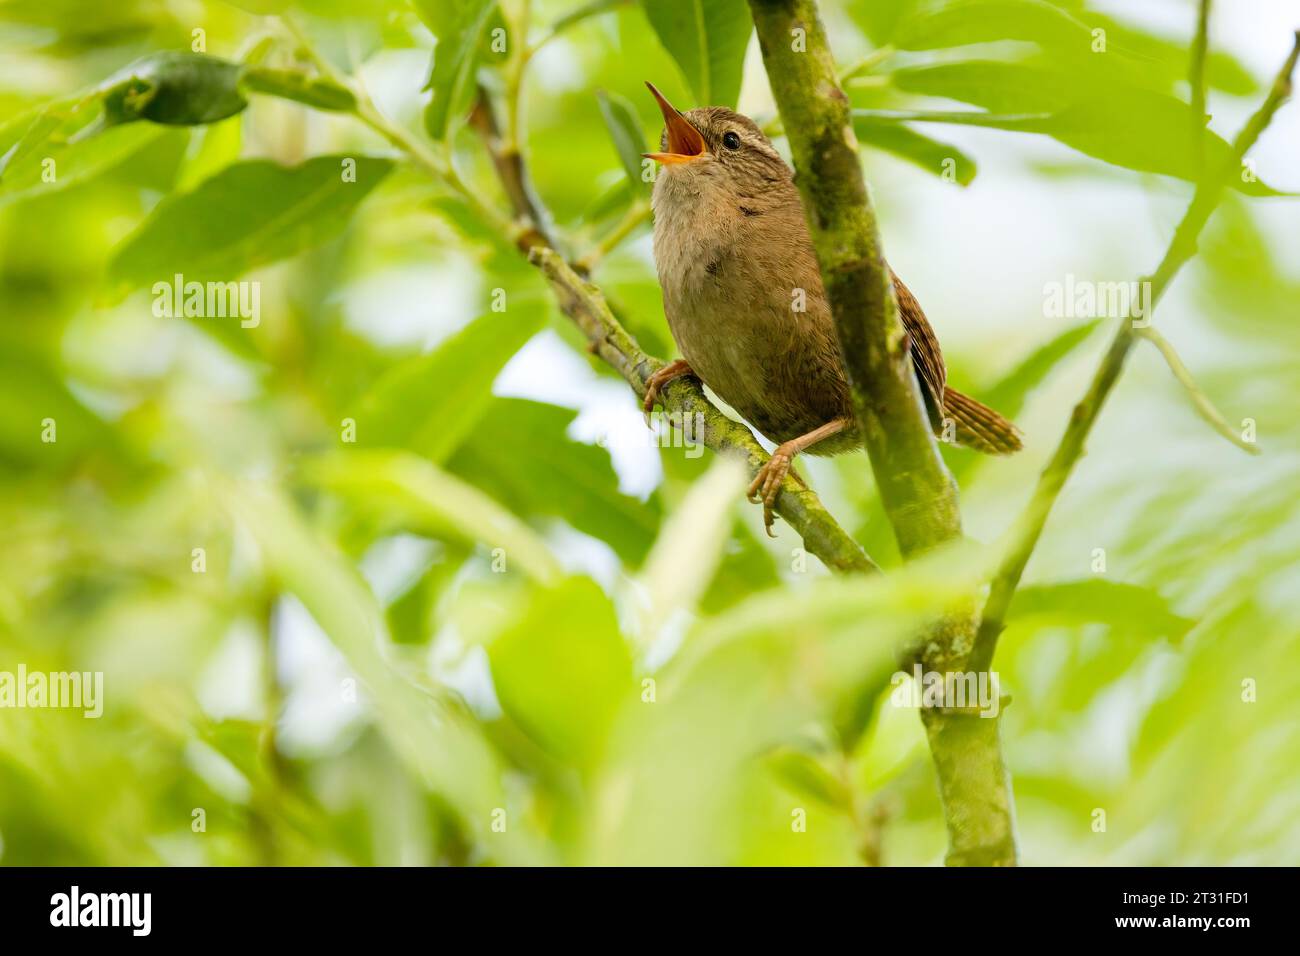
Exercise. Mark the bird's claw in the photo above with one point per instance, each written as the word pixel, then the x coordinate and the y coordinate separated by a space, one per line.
pixel 766 485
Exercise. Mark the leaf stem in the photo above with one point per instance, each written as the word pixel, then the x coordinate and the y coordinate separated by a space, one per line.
pixel 1200 400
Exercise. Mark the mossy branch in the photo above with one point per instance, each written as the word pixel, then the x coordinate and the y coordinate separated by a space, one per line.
pixel 919 495
pixel 799 506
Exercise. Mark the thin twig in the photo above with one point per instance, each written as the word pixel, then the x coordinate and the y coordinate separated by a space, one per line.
pixel 1196 77
pixel 1199 399
pixel 1029 527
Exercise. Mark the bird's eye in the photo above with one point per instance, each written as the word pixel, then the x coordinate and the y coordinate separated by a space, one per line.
pixel 731 140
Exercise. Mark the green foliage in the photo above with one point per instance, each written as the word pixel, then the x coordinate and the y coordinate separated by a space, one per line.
pixel 625 130
pixel 459 26
pixel 393 567
pixel 931 155
pixel 248 215
pixel 707 39
pixel 174 89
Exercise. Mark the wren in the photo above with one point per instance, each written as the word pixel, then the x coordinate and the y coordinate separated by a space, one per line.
pixel 744 300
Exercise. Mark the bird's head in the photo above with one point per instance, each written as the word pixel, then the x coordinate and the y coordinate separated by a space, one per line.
pixel 713 147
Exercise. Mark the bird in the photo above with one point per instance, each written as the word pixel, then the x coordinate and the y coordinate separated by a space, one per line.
pixel 744 301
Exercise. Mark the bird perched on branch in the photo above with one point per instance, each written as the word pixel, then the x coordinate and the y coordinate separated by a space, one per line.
pixel 744 300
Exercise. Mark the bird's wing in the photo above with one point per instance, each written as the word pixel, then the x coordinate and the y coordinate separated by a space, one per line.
pixel 926 353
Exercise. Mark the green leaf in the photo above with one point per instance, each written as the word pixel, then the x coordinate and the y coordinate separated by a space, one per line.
pixel 414 494
pixel 688 550
pixel 213 149
pixel 997 86
pixel 1126 608
pixel 453 61
pixel 562 671
pixel 625 130
pixel 707 38
pixel 746 682
pixel 930 154
pixel 248 215
pixel 521 455
pixel 1123 125
pixel 880 19
pixel 174 89
pixel 45 154
pixel 984 21
pixel 429 403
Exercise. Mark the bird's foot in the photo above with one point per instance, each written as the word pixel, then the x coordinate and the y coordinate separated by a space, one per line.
pixel 767 483
pixel 657 380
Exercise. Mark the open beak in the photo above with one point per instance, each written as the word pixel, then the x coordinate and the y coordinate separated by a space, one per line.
pixel 684 141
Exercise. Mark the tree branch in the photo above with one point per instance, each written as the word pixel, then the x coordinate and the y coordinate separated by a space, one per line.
pixel 1029 527
pixel 799 506
pixel 919 496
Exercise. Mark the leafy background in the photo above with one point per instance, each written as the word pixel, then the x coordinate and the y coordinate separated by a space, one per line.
pixel 504 556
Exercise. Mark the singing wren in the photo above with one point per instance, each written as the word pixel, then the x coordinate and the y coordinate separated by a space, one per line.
pixel 744 300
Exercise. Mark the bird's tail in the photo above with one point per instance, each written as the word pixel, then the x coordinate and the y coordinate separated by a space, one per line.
pixel 980 427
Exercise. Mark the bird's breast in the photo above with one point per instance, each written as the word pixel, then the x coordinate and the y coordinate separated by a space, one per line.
pixel 744 302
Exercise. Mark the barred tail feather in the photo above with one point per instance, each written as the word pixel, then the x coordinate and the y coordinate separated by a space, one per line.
pixel 980 427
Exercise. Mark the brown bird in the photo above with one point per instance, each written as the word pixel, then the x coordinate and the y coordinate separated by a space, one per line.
pixel 745 303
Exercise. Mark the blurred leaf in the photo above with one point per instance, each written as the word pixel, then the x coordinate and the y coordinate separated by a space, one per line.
pixel 1126 608
pixel 410 616
pixel 33 393
pixel 930 154
pixel 744 683
pixel 248 215
pixel 261 7
pixel 1008 394
pixel 439 744
pixel 218 146
pixel 584 11
pixel 421 497
pixel 562 671
pixel 430 402
pixel 805 774
pixel 688 550
pixel 625 130
pixel 458 33
pixel 707 38
pixel 521 455
pixel 43 157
